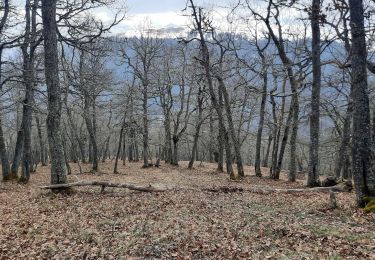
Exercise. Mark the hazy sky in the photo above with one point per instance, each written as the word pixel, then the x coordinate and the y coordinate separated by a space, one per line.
pixel 155 6
pixel 162 14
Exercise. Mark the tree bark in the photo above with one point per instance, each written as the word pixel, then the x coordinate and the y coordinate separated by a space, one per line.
pixel 220 148
pixel 7 175
pixel 194 151
pixel 124 149
pixel 267 155
pixel 293 140
pixel 29 82
pixel 211 145
pixel 234 137
pixel 145 126
pixel 313 172
pixel 4 157
pixel 362 154
pixel 285 139
pixel 345 139
pixel 69 170
pixel 175 140
pixel 74 130
pixel 276 133
pixel 18 149
pixel 41 142
pixel 131 148
pixel 258 171
pixel 58 171
pixel 119 145
pixel 91 131
pixel 168 138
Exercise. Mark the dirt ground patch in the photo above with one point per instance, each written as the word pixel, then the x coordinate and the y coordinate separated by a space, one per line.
pixel 178 224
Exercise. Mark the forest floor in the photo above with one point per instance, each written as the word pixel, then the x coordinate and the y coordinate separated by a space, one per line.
pixel 186 223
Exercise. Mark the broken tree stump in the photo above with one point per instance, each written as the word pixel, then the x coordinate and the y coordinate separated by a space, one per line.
pixel 332 200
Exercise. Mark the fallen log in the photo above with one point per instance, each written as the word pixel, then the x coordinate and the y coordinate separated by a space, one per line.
pixel 103 185
pixel 341 187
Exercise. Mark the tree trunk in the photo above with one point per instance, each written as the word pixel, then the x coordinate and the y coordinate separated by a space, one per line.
pixel 234 137
pixel 145 127
pixel 119 146
pixel 285 137
pixel 124 149
pixel 3 151
pixel 362 155
pixel 346 173
pixel 73 146
pixel 293 140
pixel 206 66
pixel 108 139
pixel 194 151
pixel 4 157
pixel 220 149
pixel 258 171
pixel 92 136
pixel 27 153
pixel 69 170
pixel 168 138
pixel 211 144
pixel 29 82
pixel 58 171
pixel 18 149
pixel 345 139
pixel 106 148
pixel 278 124
pixel 74 130
pixel 288 66
pixel 267 155
pixel 313 174
pixel 136 150
pixel 225 140
pixel 175 151
pixel 276 132
pixel 41 142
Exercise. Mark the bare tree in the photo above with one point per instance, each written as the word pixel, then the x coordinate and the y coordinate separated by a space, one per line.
pixel 3 150
pixel 140 57
pixel 199 22
pixel 51 67
pixel 362 154
pixel 180 117
pixel 200 121
pixel 28 48
pixel 278 40
pixel 264 75
pixel 313 173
